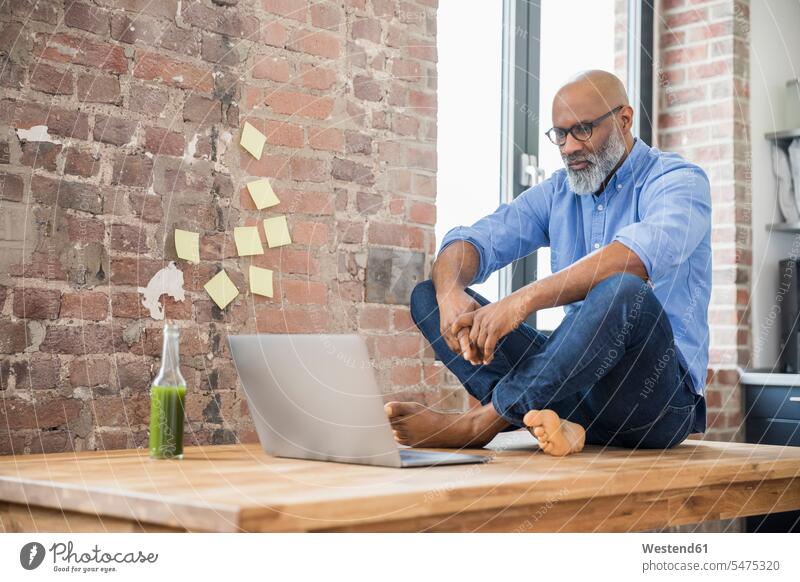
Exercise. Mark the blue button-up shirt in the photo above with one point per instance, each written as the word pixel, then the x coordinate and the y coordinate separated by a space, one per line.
pixel 657 204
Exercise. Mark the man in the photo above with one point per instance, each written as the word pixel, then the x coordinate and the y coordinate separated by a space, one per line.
pixel 629 231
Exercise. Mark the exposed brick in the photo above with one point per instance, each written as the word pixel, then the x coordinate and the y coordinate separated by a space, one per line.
pixel 316 77
pixel 59 121
pixel 358 143
pixel 14 337
pixel 351 232
pixel 39 11
pixel 82 229
pixel 66 194
pixel 91 306
pixel 114 130
pixel 367 29
pixel 396 235
pixel 300 104
pixel 12 187
pixel 135 29
pixel 202 109
pixel 367 88
pixel 163 141
pixel 86 17
pixel 31 303
pixel 368 203
pixel 218 19
pixel 64 48
pixel 52 80
pixel 42 413
pixel 274 33
pixel 40 155
pixel 147 99
pixel 132 170
pixel 292 320
pixel 326 138
pixel 134 375
pixel 308 169
pixel 37 373
pixel 79 162
pixel 99 89
pixel 90 371
pixel 87 338
pixel 374 317
pixel 220 50
pixel 326 15
pixel 147 206
pixel 294 9
pixel 128 238
pixel 422 212
pixel 271 67
pixel 181 40
pixel 135 83
pixel 349 171
pixel 158 67
pixel 136 271
pixel 315 42
pixel 398 346
pixel 408 375
pixel 302 292
pixel 281 133
pixel 163 9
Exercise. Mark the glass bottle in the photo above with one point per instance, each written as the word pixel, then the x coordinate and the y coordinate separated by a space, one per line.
pixel 167 400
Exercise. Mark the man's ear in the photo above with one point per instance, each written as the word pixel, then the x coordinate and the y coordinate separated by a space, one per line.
pixel 626 118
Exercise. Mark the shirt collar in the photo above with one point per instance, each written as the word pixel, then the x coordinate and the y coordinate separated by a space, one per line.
pixel 625 173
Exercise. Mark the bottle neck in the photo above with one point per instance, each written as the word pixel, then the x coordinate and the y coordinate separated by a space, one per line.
pixel 170 373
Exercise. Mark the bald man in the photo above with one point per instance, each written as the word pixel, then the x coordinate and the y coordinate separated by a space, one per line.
pixel 629 231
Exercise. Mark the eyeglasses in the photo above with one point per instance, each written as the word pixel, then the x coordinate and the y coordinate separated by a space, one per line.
pixel 581 131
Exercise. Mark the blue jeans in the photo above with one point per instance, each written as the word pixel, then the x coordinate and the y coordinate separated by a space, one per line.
pixel 612 366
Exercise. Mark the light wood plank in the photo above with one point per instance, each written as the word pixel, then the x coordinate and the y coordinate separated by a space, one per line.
pixel 239 487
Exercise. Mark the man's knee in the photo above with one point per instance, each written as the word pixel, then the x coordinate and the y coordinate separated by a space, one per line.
pixel 622 288
pixel 625 283
pixel 422 301
pixel 624 294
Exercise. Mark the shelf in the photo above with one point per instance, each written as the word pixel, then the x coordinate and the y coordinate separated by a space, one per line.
pixel 790 227
pixel 784 135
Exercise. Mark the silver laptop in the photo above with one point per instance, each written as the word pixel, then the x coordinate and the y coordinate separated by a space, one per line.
pixel 315 397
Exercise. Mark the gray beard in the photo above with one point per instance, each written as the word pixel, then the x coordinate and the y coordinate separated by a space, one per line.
pixel 601 163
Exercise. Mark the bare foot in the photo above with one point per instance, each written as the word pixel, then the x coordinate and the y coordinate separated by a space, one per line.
pixel 419 426
pixel 556 436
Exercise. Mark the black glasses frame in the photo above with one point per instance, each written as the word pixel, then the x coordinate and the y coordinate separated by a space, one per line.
pixel 590 124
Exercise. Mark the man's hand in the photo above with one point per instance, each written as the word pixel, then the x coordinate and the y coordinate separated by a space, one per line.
pixel 451 307
pixel 492 322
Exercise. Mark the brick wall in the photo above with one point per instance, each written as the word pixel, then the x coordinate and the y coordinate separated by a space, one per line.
pixel 141 104
pixel 702 72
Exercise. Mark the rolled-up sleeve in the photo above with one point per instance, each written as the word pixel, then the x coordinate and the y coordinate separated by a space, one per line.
pixel 675 215
pixel 513 231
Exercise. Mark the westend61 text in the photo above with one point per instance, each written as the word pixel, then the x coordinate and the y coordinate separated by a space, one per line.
pixel 673 549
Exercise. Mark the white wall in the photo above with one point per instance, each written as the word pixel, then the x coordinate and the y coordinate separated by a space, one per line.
pixel 774 58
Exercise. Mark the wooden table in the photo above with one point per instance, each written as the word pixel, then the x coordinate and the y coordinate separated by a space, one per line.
pixel 236 488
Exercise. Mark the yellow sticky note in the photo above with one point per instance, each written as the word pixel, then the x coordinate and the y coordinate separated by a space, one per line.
pixel 221 289
pixel 247 241
pixel 260 281
pixel 187 244
pixel 277 231
pixel 252 140
pixel 262 194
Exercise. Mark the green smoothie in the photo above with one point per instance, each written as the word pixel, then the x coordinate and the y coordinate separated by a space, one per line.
pixel 166 421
